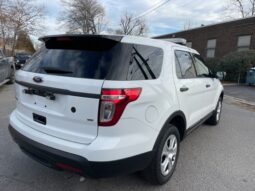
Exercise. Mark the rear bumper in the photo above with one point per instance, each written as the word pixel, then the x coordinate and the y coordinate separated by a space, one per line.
pixel 61 160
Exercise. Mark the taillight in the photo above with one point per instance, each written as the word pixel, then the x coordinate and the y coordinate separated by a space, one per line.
pixel 113 103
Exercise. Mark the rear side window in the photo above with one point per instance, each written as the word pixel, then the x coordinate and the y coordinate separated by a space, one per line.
pixel 114 61
pixel 186 64
pixel 202 70
pixel 145 63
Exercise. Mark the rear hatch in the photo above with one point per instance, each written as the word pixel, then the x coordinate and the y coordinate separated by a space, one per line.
pixel 59 88
pixel 64 108
pixel 58 91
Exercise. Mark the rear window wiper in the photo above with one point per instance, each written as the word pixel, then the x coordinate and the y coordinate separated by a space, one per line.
pixel 145 63
pixel 56 70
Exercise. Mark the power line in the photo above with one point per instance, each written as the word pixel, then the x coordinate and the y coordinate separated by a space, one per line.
pixel 155 7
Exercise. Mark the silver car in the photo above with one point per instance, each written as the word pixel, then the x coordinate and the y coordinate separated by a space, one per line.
pixel 7 70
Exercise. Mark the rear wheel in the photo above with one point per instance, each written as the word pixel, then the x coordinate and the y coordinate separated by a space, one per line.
pixel 215 118
pixel 165 158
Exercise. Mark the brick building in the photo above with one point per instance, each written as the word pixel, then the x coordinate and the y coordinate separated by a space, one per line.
pixel 220 39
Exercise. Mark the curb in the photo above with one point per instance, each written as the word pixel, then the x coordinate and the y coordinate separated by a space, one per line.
pixel 231 84
pixel 240 100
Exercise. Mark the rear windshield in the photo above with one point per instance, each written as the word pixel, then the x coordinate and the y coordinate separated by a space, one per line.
pixel 23 56
pixel 116 61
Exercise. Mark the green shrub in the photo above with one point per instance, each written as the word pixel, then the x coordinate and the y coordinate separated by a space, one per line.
pixel 214 64
pixel 235 64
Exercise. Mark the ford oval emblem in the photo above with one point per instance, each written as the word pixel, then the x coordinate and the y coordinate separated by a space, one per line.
pixel 37 79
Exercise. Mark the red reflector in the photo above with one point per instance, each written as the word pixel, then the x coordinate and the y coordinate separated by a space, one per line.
pixel 113 103
pixel 63 39
pixel 68 167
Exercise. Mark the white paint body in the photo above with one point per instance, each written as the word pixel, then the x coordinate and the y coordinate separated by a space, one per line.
pixel 140 124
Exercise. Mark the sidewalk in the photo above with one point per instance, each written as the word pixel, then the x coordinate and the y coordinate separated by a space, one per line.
pixel 241 93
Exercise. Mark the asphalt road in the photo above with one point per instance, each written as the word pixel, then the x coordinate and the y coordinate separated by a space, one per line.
pixel 241 91
pixel 212 158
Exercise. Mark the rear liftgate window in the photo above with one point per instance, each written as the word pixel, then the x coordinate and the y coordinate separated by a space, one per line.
pixel 97 58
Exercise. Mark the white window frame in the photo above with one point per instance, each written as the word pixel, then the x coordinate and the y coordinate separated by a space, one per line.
pixel 245 44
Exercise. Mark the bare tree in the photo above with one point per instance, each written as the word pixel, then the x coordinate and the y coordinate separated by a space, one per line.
pixel 4 23
pixel 187 25
pixel 244 7
pixel 129 25
pixel 24 16
pixel 83 16
pixel 25 43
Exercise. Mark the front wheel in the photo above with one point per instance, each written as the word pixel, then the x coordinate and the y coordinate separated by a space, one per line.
pixel 215 118
pixel 165 157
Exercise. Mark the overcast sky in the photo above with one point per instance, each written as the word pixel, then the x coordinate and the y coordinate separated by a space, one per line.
pixel 169 18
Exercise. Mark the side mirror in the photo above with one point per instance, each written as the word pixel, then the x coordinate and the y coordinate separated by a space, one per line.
pixel 213 75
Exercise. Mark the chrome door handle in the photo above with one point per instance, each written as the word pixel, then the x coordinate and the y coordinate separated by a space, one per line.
pixel 184 89
pixel 208 85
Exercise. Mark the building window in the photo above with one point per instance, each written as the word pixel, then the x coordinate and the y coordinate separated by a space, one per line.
pixel 211 46
pixel 189 44
pixel 243 43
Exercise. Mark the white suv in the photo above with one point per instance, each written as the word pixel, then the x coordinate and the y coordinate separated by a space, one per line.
pixel 103 106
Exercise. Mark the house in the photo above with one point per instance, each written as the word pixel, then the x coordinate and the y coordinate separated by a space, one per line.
pixel 218 40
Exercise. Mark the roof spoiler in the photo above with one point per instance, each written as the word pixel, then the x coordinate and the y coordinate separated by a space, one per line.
pixel 81 36
pixel 80 42
pixel 180 41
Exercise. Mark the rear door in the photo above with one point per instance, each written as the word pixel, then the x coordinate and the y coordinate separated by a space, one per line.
pixel 190 89
pixel 210 84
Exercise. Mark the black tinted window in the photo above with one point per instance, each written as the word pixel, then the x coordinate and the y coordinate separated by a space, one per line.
pixel 186 64
pixel 22 56
pixel 116 61
pixel 145 63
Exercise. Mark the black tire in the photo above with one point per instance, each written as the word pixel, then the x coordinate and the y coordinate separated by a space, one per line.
pixel 214 119
pixel 12 77
pixel 153 172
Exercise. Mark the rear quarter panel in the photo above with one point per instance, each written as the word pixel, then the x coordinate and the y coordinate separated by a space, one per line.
pixel 158 97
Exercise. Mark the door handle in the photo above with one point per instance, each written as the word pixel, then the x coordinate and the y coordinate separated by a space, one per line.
pixel 184 89
pixel 208 85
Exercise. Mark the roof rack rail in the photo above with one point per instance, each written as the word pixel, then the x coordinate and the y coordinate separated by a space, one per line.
pixel 180 41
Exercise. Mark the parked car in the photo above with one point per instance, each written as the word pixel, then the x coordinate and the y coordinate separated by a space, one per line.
pixel 104 106
pixel 20 59
pixel 7 70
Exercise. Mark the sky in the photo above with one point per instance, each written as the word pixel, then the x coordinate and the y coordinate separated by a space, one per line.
pixel 170 17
